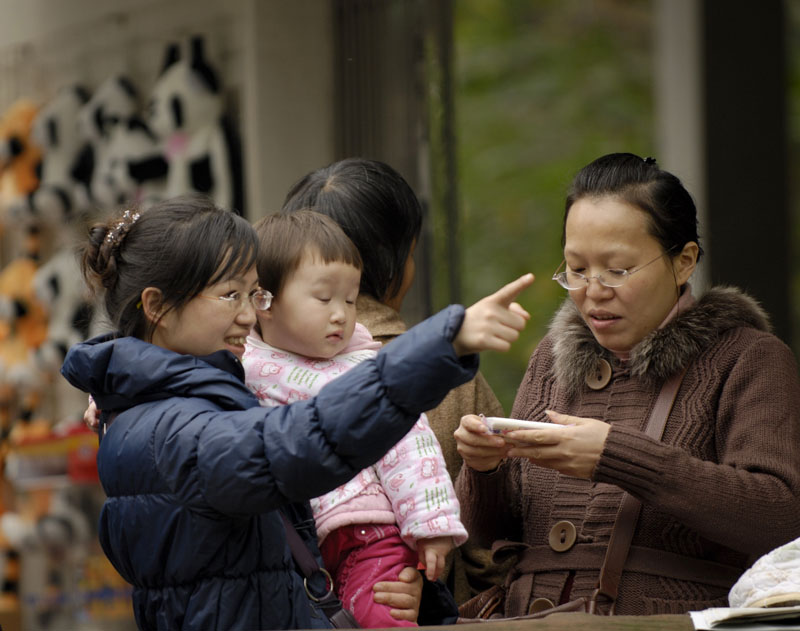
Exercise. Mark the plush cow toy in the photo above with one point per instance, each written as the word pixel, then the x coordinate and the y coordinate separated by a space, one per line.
pixel 59 287
pixel 63 187
pixel 134 169
pixel 186 113
pixel 112 104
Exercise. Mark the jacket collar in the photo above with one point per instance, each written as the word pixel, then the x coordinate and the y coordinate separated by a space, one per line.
pixel 663 352
pixel 382 321
pixel 122 372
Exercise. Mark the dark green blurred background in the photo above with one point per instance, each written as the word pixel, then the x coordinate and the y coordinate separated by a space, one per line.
pixel 530 111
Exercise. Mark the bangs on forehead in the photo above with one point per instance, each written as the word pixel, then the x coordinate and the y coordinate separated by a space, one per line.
pixel 237 258
pixel 333 251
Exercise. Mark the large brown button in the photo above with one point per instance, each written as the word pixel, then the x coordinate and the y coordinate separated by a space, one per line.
pixel 541 604
pixel 600 376
pixel 562 536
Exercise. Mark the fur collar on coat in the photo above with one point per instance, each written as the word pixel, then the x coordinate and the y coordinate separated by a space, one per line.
pixel 663 352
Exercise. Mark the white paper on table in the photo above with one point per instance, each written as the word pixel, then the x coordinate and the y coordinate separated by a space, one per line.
pixel 747 619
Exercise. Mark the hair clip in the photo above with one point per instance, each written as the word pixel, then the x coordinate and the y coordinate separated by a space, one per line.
pixel 650 160
pixel 118 232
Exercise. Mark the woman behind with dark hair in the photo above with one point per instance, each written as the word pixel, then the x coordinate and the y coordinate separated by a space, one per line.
pixel 381 214
pixel 716 485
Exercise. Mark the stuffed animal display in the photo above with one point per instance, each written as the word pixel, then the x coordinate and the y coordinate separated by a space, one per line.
pixel 20 157
pixel 134 169
pixel 20 164
pixel 111 105
pixel 80 155
pixel 69 310
pixel 65 162
pixel 61 192
pixel 186 111
pixel 23 328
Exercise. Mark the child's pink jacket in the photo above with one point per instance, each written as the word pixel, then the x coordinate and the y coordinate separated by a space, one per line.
pixel 409 486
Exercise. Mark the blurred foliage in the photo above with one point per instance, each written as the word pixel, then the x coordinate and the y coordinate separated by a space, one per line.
pixel 541 89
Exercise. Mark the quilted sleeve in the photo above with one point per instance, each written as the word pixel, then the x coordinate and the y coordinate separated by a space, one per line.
pixel 242 462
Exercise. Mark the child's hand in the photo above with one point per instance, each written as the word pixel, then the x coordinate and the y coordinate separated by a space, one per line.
pixel 493 322
pixel 92 416
pixel 432 554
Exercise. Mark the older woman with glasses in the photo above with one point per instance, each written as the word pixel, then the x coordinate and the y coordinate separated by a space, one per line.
pixel 673 458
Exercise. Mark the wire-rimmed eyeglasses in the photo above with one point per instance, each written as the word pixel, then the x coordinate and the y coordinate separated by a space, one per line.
pixel 261 299
pixel 611 278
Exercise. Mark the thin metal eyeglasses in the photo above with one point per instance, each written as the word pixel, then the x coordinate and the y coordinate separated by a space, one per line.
pixel 261 299
pixel 610 278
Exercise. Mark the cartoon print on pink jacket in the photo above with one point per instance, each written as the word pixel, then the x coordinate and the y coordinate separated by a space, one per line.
pixel 409 486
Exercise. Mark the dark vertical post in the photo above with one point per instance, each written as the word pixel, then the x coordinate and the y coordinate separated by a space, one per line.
pixel 380 100
pixel 748 225
pixel 449 197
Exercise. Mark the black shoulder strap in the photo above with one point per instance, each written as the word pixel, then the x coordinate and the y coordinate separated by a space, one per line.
pixel 328 602
pixel 302 555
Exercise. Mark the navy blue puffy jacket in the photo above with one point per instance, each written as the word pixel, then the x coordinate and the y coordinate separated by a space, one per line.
pixel 194 470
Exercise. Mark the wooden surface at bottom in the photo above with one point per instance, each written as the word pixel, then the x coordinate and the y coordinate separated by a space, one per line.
pixel 583 622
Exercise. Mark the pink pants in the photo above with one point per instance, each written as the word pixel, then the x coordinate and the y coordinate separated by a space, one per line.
pixel 360 556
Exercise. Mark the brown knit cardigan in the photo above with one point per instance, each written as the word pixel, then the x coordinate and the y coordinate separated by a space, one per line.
pixel 473 564
pixel 723 485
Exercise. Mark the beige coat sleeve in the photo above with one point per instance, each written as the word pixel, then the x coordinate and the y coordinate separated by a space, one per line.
pixel 474 397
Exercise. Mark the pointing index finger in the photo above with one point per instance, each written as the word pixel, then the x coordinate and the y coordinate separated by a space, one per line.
pixel 506 295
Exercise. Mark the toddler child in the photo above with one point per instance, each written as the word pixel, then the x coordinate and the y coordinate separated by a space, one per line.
pixel 403 509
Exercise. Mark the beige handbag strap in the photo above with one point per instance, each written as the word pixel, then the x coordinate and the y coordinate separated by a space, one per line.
pixel 625 524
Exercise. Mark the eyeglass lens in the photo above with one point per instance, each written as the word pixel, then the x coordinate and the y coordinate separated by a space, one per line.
pixel 611 278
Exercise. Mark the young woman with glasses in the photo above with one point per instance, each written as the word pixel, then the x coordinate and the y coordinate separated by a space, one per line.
pixel 720 487
pixel 197 475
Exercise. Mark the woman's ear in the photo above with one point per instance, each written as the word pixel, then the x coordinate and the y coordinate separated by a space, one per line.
pixel 152 304
pixel 685 262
